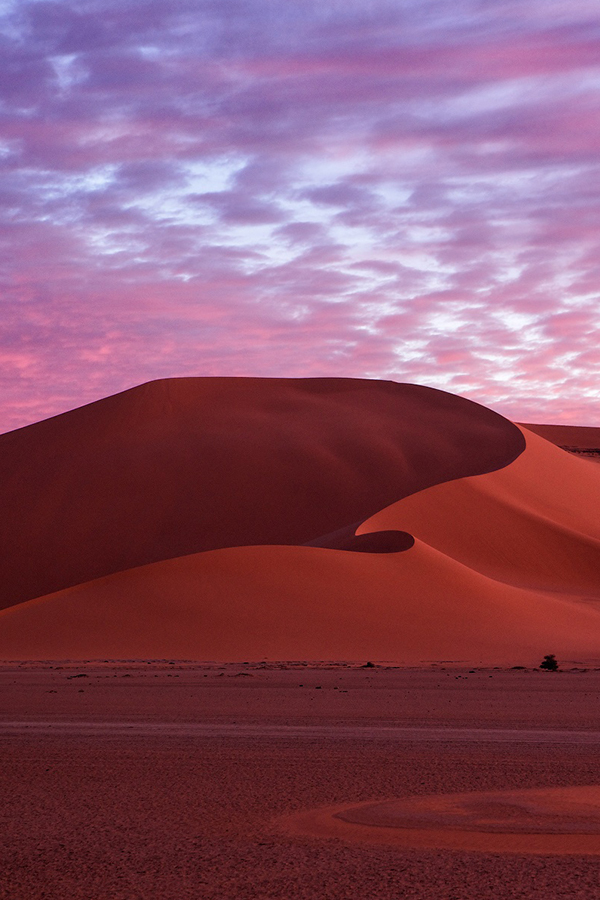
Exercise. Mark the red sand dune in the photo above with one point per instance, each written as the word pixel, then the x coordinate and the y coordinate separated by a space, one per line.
pixel 507 542
pixel 301 603
pixel 532 524
pixel 585 442
pixel 183 465
pixel 575 437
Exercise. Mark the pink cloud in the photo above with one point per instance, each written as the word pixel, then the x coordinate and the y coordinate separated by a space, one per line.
pixel 198 188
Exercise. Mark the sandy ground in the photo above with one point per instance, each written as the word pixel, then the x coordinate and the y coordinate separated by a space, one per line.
pixel 171 780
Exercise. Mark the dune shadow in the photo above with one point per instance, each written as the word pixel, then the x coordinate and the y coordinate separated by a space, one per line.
pixel 390 541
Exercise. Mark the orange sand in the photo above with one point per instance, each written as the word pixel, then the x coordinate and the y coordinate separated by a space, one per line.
pixel 301 603
pixel 190 464
pixel 189 500
pixel 574 437
pixel 532 524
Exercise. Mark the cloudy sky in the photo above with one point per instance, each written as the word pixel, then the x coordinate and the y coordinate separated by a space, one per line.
pixel 404 189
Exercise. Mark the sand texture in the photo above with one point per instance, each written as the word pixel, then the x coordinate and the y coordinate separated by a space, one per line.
pixel 541 821
pixel 178 781
pixel 185 465
pixel 579 439
pixel 244 519
pixel 165 549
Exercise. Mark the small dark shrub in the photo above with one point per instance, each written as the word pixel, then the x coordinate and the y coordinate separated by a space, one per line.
pixel 549 663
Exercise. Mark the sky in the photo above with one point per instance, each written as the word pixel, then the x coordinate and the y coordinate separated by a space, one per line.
pixel 399 189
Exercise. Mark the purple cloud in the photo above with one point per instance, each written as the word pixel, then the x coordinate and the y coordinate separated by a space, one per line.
pixel 248 188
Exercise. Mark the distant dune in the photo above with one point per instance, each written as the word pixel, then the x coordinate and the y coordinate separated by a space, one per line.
pixel 573 438
pixel 300 519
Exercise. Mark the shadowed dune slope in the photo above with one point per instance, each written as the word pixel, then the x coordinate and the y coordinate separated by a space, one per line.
pixel 533 524
pixel 179 466
pixel 300 603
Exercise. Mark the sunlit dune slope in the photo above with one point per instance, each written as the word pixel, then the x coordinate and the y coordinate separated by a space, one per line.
pixel 168 522
pixel 575 438
pixel 179 466
pixel 300 603
pixel 534 523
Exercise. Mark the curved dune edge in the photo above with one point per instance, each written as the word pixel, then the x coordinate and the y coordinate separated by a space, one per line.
pixel 544 821
pixel 533 524
pixel 301 603
pixel 575 438
pixel 187 465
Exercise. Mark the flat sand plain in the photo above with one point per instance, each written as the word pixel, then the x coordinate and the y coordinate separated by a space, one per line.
pixel 172 780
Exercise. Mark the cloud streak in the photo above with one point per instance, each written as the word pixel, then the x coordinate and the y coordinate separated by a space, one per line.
pixel 250 188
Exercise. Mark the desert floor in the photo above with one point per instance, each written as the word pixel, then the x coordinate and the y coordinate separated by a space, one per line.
pixel 171 780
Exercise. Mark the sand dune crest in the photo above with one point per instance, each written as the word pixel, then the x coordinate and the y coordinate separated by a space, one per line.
pixel 184 465
pixel 532 524
pixel 212 519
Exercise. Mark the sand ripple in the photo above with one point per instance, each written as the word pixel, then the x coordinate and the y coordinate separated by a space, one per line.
pixel 542 820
